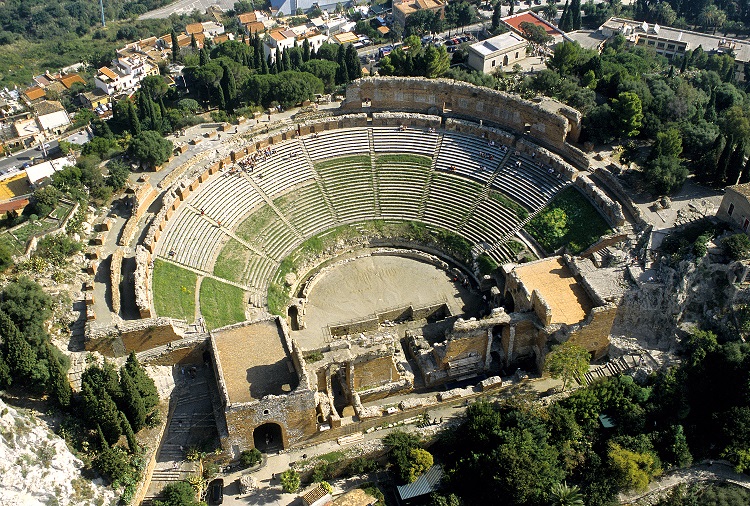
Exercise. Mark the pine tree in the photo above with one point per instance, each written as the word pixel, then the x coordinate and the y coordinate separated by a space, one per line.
pixel 342 74
pixel 129 434
pixel 353 67
pixel 175 47
pixel 143 382
pixel 59 386
pixel 305 50
pixel 19 354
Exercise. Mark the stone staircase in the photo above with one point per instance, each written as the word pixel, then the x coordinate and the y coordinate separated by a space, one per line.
pixel 319 182
pixel 375 180
pixel 616 366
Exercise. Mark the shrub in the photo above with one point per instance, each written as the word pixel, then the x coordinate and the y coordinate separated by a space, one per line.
pixel 736 246
pixel 249 458
pixel 361 465
pixel 290 481
pixel 323 471
pixel 486 264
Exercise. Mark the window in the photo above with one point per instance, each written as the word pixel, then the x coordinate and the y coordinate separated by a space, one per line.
pixel 651 42
pixel 493 63
pixel 670 47
pixel 660 45
pixel 516 55
pixel 681 49
pixel 730 210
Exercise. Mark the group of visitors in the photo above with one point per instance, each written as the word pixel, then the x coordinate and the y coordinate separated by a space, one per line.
pixel 247 164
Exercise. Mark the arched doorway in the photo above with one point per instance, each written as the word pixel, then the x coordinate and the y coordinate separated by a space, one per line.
pixel 268 437
pixel 505 60
pixel 293 313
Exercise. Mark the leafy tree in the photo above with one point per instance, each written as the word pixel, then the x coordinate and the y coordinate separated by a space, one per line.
pixel 737 246
pixel 181 493
pixel 627 113
pixel 154 87
pixel 436 61
pixel 290 481
pixel 113 463
pixel 421 462
pixel 45 199
pixel 665 174
pixel 118 174
pixel 401 445
pixel 633 470
pixel 150 148
pixel 535 33
pixel 324 70
pixel 567 361
pixel 29 307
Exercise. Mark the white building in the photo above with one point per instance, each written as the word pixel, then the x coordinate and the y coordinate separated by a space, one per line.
pixel 497 52
pixel 51 116
pixel 125 75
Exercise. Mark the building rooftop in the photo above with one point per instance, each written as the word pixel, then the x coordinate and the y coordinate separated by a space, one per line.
pixel 194 28
pixel 498 43
pixel 69 80
pixel 411 6
pixel 34 93
pixel 743 189
pixel 708 42
pixel 426 484
pixel 108 72
pixel 254 361
pixel 515 21
pixel 555 283
pixel 48 107
pixel 248 17
pixel 346 37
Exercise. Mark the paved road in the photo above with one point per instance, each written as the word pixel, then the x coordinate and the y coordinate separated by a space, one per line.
pixel 16 160
pixel 186 7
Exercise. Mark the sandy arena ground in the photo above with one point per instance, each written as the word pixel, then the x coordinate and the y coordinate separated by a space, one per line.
pixel 366 285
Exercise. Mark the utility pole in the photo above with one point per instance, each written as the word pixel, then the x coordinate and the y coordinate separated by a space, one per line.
pixel 101 5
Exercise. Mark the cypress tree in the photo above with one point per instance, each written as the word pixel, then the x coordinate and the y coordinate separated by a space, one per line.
pixel 353 67
pixel 132 402
pixel 263 66
pixel 101 440
pixel 575 7
pixel 271 65
pixel 143 382
pixel 710 159
pixel 129 434
pixel 19 354
pixel 203 57
pixel 286 59
pixel 220 99
pixel 745 176
pixel 720 176
pixel 175 47
pixel 59 386
pixel 710 114
pixel 134 124
pixel 193 42
pixel 734 166
pixel 313 54
pixel 6 379
pixel 305 50
pixel 683 65
pixel 278 61
pixel 342 74
pixel 566 22
pixel 258 54
pixel 162 108
pixel 108 416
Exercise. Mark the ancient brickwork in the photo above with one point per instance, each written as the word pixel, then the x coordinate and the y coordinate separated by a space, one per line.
pixel 546 119
pixel 115 269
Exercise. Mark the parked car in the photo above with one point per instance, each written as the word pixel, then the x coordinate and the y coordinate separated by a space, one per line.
pixel 216 491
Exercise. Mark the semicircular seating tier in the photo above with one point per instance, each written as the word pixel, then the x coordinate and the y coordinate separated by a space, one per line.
pixel 268 203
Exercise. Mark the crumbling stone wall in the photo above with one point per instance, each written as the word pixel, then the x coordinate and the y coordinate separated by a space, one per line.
pixel 396 119
pixel 115 269
pixel 142 281
pixel 593 332
pixel 141 197
pixel 611 210
pixel 367 372
pixel 546 119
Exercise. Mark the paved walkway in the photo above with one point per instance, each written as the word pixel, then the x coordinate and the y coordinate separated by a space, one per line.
pixel 716 470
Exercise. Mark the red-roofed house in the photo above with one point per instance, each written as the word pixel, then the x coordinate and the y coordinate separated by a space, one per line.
pixel 405 8
pixel 514 23
pixel 70 79
pixel 194 28
pixel 34 93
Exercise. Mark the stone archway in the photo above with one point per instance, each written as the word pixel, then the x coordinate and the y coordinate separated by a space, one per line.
pixel 293 313
pixel 268 437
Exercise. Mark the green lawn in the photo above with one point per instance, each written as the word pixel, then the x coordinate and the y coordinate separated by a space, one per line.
pixel 232 261
pixel 221 304
pixel 363 160
pixel 419 160
pixel 580 227
pixel 174 291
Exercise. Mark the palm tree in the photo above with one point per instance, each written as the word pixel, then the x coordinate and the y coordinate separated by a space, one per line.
pixel 564 495
pixel 712 16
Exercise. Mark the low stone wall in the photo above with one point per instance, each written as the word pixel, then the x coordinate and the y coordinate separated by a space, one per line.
pixel 396 119
pixel 614 186
pixel 32 242
pixel 115 269
pixel 143 196
pixel 547 157
pixel 611 210
pixel 473 128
